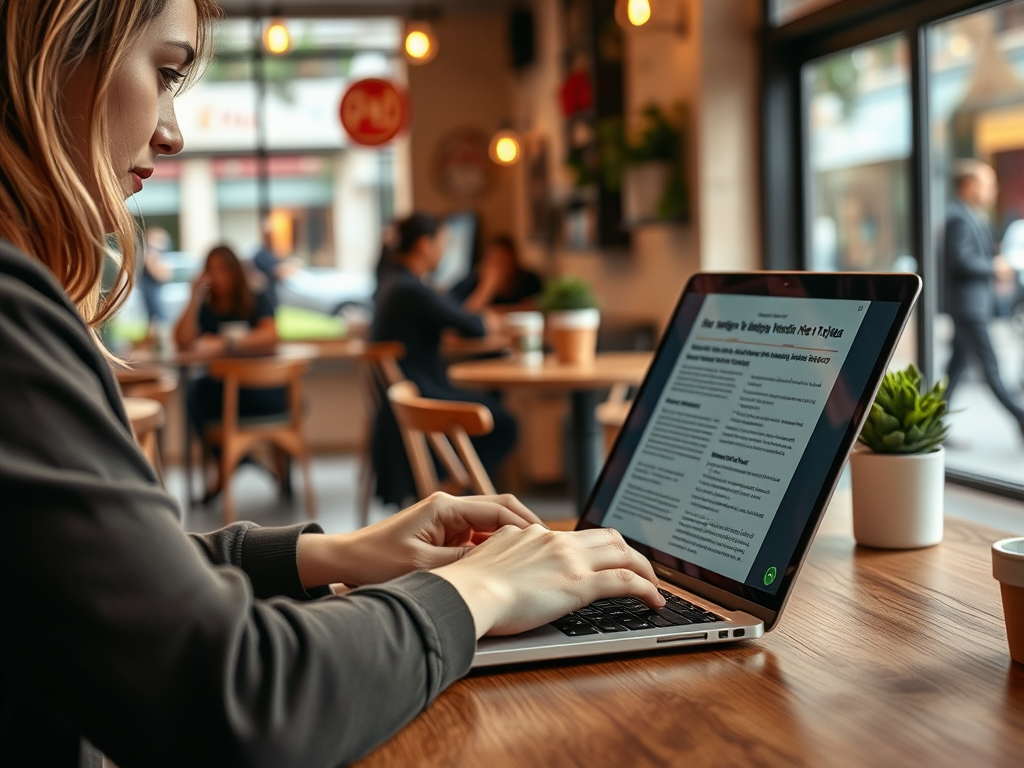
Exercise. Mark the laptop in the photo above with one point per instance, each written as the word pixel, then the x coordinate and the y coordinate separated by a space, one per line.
pixel 729 456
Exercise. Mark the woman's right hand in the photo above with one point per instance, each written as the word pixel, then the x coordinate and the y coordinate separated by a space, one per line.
pixel 522 578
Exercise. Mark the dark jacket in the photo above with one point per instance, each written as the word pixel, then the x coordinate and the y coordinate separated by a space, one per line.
pixel 968 251
pixel 412 313
pixel 164 649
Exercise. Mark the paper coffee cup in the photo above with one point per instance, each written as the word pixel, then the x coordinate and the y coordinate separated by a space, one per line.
pixel 527 332
pixel 234 331
pixel 1008 568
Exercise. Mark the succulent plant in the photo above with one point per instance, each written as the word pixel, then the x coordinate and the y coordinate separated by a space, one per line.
pixel 563 294
pixel 904 419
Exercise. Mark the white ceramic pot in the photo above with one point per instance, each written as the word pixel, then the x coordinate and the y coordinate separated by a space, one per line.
pixel 574 335
pixel 897 498
pixel 643 188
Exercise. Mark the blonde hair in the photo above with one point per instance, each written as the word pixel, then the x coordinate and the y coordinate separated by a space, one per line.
pixel 46 207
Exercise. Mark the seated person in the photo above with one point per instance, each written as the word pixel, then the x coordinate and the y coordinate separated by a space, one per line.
pixel 273 267
pixel 412 313
pixel 221 294
pixel 499 280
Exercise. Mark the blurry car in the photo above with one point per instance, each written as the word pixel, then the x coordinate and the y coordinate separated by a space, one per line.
pixel 327 290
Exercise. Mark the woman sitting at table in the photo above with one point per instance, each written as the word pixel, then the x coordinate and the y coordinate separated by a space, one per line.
pixel 214 323
pixel 411 312
pixel 122 633
pixel 499 280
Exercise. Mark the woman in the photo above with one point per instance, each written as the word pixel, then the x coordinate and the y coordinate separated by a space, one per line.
pixel 499 280
pixel 119 630
pixel 411 312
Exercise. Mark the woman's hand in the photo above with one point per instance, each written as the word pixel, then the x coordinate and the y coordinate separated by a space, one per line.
pixel 437 531
pixel 521 578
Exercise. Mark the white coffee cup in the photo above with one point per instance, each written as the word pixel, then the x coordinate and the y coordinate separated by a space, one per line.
pixel 1008 568
pixel 527 332
pixel 233 332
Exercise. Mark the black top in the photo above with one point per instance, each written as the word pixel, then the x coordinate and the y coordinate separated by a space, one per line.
pixel 209 320
pixel 412 313
pixel 526 286
pixel 968 250
pixel 164 649
pixel 266 261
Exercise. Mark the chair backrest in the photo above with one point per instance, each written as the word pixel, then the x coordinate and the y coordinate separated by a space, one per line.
pixel 381 361
pixel 447 425
pixel 260 373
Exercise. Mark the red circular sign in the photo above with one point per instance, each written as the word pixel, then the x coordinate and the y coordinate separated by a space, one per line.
pixel 373 111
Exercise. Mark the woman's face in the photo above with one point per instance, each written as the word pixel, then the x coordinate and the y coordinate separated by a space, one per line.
pixel 140 104
pixel 219 276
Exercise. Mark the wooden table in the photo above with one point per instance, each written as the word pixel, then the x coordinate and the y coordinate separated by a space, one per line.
pixel 187 360
pixel 881 659
pixel 582 382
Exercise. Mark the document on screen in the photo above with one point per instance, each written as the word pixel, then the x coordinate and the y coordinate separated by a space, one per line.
pixel 732 423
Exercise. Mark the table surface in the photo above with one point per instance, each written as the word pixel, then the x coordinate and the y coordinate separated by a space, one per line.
pixel 881 659
pixel 328 349
pixel 608 369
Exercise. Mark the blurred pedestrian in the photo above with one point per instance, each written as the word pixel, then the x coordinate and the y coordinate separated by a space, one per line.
pixel 971 264
pixel 155 273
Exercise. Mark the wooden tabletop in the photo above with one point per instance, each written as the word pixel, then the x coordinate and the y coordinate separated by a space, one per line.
pixel 608 369
pixel 143 358
pixel 881 659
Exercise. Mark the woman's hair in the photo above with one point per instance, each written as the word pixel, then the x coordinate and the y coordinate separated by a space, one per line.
pixel 46 207
pixel 506 243
pixel 242 301
pixel 411 229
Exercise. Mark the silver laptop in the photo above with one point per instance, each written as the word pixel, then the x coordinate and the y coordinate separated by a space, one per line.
pixel 729 456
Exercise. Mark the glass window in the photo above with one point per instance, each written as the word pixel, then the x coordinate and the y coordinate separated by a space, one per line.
pixel 785 11
pixel 859 142
pixel 976 67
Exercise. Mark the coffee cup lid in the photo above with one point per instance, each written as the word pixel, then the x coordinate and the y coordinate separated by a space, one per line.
pixel 1008 561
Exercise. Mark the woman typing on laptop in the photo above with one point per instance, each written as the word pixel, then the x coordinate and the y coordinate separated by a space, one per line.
pixel 120 631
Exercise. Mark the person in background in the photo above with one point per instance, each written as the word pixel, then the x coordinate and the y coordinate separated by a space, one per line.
pixel 971 264
pixel 154 274
pixel 499 280
pixel 409 311
pixel 123 635
pixel 221 295
pixel 273 267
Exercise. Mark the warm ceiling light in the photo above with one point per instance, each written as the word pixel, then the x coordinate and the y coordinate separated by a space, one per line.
pixel 638 12
pixel 277 38
pixel 505 149
pixel 420 43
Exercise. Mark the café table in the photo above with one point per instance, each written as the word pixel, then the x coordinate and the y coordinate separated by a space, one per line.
pixel 186 361
pixel 882 658
pixel 582 382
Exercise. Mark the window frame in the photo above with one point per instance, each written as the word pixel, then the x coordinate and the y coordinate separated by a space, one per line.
pixel 785 157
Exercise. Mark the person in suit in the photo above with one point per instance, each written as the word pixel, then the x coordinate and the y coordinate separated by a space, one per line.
pixel 971 263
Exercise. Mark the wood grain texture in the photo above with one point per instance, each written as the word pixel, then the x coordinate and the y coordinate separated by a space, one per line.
pixel 608 369
pixel 881 659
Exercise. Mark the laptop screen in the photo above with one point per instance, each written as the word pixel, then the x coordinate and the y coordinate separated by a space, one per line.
pixel 743 419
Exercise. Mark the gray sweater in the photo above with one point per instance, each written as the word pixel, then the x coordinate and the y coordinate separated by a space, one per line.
pixel 161 648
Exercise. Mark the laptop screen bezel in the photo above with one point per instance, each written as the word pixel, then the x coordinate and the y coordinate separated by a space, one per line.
pixel 897 288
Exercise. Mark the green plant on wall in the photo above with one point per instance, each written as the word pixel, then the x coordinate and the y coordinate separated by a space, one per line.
pixel 905 419
pixel 659 137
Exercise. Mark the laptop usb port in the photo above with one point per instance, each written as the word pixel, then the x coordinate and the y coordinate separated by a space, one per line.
pixel 723 633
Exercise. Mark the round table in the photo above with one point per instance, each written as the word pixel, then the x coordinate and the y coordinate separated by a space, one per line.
pixel 583 382
pixel 146 417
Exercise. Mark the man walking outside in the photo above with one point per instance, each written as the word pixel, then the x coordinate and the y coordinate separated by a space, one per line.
pixel 971 263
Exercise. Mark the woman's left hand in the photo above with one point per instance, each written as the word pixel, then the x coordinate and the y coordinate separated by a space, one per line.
pixel 437 531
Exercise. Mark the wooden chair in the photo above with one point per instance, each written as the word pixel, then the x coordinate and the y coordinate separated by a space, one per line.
pixel 236 436
pixel 146 417
pixel 379 369
pixel 447 426
pixel 612 413
pixel 161 386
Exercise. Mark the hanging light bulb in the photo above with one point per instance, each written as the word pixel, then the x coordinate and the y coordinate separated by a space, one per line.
pixel 420 42
pixel 505 147
pixel 277 38
pixel 633 13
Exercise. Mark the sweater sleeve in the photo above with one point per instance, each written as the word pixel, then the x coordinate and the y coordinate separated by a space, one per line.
pixel 444 311
pixel 128 633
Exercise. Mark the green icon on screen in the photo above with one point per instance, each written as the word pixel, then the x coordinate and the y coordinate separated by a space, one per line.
pixel 769 575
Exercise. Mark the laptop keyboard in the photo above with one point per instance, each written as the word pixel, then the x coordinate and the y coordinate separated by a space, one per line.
pixel 624 614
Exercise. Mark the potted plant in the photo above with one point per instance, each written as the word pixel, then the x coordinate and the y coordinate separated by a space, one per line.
pixel 573 319
pixel 653 187
pixel 898 468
